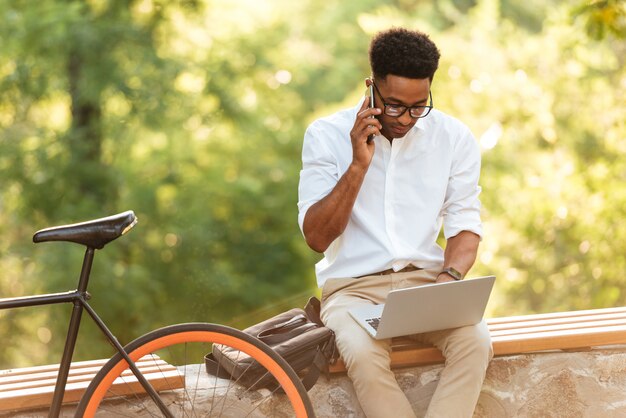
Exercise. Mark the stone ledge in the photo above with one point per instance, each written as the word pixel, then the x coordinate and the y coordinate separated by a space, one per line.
pixel 587 384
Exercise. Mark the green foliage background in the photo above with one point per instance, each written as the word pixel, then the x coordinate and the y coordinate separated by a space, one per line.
pixel 192 113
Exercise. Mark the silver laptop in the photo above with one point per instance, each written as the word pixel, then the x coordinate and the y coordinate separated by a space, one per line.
pixel 430 307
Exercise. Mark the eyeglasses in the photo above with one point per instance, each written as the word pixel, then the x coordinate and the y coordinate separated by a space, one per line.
pixel 396 111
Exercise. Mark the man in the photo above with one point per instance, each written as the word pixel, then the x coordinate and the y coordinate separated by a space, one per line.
pixel 375 209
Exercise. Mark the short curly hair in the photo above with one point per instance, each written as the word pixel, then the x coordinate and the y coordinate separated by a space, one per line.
pixel 404 53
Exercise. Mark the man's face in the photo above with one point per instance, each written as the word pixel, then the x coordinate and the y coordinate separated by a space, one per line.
pixel 403 91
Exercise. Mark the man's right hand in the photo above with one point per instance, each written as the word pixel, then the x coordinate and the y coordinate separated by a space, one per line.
pixel 364 126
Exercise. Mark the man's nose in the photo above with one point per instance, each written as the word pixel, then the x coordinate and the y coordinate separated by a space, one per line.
pixel 406 118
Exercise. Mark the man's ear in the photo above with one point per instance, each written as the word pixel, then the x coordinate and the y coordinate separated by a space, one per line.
pixel 369 81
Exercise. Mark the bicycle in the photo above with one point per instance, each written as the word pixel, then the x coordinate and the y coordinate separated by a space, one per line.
pixel 114 384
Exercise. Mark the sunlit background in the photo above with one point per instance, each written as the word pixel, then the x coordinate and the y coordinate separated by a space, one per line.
pixel 192 113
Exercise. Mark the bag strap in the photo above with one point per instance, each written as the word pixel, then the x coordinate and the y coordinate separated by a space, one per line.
pixel 312 310
pixel 319 365
pixel 291 328
pixel 286 330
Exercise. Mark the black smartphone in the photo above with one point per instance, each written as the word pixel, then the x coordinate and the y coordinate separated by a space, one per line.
pixel 371 88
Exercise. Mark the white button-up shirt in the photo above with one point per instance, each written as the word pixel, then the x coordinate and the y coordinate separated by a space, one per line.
pixel 412 186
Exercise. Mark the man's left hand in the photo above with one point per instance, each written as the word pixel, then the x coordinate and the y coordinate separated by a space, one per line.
pixel 444 277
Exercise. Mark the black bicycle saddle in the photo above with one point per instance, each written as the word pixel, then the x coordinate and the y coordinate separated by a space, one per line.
pixel 94 234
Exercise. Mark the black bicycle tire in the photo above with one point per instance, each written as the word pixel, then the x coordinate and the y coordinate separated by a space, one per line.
pixel 190 327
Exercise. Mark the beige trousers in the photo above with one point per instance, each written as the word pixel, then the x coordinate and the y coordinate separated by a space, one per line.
pixel 467 351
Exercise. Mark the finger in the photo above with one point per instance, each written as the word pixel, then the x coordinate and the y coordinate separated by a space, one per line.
pixel 369 112
pixel 365 104
pixel 373 130
pixel 371 122
pixel 370 130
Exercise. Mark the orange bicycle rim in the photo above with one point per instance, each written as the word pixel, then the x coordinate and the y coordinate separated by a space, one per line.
pixel 200 336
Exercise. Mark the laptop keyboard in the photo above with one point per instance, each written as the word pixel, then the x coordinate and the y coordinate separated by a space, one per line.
pixel 374 322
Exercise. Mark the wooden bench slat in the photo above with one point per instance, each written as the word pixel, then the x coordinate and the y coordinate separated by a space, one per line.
pixel 525 334
pixel 86 377
pixel 26 392
pixel 76 366
pixel 425 355
pixel 536 326
pixel 570 314
pixel 573 321
pixel 75 369
pixel 557 327
pixel 559 340
pixel 7 380
pixel 42 397
pixel 25 379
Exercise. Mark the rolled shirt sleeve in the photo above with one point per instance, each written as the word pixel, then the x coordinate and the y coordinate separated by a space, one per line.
pixel 319 173
pixel 461 209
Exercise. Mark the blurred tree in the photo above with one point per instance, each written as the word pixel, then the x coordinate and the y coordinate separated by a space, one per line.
pixel 603 18
pixel 192 114
pixel 547 109
pixel 62 64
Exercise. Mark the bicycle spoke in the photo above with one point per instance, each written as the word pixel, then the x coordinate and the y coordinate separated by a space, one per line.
pixel 186 394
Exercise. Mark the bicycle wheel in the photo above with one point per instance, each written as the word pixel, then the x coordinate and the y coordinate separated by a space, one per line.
pixel 188 390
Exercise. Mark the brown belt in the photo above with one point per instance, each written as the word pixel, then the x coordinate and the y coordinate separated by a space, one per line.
pixel 408 268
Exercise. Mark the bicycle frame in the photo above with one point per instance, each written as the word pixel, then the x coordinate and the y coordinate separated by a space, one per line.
pixel 79 298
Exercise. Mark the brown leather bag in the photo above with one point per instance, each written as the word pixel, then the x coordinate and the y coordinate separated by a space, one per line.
pixel 298 335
